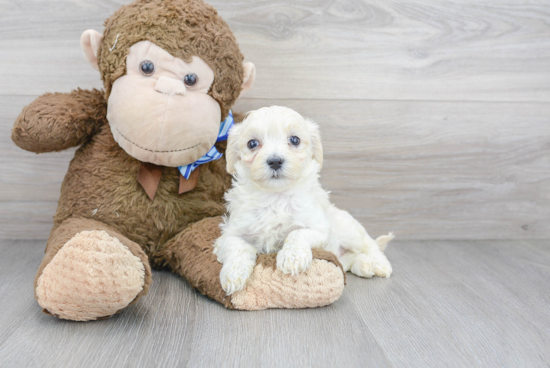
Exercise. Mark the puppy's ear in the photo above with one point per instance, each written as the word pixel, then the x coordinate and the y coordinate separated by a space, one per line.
pixel 232 153
pixel 315 138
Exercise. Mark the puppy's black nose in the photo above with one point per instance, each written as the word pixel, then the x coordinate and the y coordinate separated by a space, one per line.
pixel 275 162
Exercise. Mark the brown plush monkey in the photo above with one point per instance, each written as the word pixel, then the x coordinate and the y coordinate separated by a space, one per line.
pixel 171 70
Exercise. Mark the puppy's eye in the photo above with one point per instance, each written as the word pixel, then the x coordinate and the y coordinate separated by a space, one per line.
pixel 190 79
pixel 295 141
pixel 147 68
pixel 253 144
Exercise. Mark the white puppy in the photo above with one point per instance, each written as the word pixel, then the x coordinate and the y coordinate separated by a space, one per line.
pixel 276 203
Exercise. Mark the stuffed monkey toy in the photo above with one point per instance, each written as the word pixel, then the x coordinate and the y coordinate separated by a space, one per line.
pixel 145 188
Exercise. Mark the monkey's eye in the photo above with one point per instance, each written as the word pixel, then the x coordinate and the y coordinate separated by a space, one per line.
pixel 295 141
pixel 147 68
pixel 190 79
pixel 253 144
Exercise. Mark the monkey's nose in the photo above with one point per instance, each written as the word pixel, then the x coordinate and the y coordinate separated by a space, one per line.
pixel 170 86
pixel 275 162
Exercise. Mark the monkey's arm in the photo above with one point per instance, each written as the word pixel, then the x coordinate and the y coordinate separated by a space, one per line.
pixel 57 121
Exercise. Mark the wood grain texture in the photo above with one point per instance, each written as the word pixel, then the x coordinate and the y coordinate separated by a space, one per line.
pixel 437 170
pixel 435 114
pixel 426 170
pixel 319 49
pixel 449 303
pixel 471 297
pixel 436 124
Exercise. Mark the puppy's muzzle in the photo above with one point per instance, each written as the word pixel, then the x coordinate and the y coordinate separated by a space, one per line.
pixel 275 163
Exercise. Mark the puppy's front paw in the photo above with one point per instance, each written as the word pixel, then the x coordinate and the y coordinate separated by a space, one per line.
pixel 294 260
pixel 234 275
pixel 374 264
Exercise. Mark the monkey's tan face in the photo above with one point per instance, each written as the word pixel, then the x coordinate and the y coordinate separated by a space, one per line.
pixel 160 111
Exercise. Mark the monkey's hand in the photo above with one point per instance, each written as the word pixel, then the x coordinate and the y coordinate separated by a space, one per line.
pixel 57 121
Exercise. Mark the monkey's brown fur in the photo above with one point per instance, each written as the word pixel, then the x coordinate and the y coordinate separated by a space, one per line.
pixel 100 190
pixel 184 28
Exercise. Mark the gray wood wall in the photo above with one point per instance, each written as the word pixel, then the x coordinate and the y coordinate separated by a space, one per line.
pixel 435 114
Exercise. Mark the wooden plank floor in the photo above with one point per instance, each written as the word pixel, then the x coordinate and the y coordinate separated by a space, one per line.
pixel 448 304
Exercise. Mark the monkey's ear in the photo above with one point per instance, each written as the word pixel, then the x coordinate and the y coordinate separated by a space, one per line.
pixel 315 137
pixel 249 76
pixel 232 154
pixel 89 42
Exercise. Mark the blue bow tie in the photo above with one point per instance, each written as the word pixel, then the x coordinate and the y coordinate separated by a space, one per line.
pixel 213 154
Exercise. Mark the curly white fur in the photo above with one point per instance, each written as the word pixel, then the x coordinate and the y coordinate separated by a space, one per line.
pixel 286 210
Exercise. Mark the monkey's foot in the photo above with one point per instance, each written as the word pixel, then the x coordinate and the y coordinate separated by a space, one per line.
pixel 92 276
pixel 321 284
